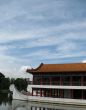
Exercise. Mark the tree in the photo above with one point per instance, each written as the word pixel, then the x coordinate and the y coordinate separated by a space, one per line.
pixel 5 83
pixel 12 80
pixel 1 75
pixel 21 84
pixel 1 79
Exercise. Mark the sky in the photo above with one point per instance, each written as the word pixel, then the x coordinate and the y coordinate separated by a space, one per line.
pixel 41 31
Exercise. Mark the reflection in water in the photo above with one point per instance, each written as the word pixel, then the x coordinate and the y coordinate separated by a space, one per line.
pixel 5 101
pixel 5 98
pixel 21 108
pixel 6 104
pixel 43 108
pixel 22 105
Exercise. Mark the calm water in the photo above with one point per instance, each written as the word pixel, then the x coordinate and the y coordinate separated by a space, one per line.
pixel 7 104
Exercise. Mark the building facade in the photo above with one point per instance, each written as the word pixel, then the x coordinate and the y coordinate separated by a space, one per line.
pixel 59 80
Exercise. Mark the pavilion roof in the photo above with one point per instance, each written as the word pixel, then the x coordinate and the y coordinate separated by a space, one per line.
pixel 72 67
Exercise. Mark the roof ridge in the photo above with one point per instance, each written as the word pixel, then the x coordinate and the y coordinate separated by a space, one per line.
pixel 64 64
pixel 72 67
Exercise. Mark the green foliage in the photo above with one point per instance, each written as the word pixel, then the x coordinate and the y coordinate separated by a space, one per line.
pixel 1 75
pixel 12 81
pixel 21 84
pixel 5 83
pixel 1 79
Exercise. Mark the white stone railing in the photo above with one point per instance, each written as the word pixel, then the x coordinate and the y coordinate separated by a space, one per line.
pixel 57 100
pixel 58 87
pixel 19 96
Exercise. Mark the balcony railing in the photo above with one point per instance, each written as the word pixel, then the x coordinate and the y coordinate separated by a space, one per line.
pixel 65 83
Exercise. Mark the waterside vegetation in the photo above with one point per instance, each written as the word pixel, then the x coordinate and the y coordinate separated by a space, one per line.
pixel 20 83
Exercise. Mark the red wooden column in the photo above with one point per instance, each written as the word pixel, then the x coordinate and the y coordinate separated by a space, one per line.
pixel 71 80
pixel 44 92
pixel 61 93
pixel 50 81
pixel 71 93
pixel 36 92
pixel 60 80
pixel 32 92
pixel 82 80
pixel 41 79
pixel 71 83
pixel 82 95
pixel 33 80
pixel 50 94
pixel 40 92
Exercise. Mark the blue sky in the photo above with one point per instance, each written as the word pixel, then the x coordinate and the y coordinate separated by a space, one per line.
pixel 35 31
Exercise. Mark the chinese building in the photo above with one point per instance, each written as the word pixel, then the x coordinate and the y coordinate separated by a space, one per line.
pixel 59 80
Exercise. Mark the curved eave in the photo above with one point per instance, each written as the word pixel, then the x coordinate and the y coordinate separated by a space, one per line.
pixel 34 70
pixel 59 68
pixel 66 72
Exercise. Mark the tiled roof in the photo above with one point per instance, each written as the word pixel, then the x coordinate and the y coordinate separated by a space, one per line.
pixel 72 67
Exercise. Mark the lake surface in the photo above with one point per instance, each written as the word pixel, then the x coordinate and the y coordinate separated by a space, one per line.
pixel 7 104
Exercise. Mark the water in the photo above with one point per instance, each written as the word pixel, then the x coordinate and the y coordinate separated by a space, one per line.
pixel 5 101
pixel 7 104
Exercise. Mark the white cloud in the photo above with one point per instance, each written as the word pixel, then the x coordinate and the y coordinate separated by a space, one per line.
pixel 23 72
pixel 84 61
pixel 42 24
pixel 10 10
pixel 67 30
pixel 24 68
